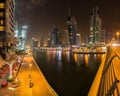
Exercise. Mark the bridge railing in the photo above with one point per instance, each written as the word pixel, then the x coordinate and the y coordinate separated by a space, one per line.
pixel 106 78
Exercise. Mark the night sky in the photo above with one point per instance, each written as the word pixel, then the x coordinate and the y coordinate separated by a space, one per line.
pixel 42 15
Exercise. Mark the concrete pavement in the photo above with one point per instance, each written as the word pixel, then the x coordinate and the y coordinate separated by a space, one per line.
pixel 31 81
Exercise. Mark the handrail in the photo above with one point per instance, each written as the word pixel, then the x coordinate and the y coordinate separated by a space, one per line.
pixel 108 82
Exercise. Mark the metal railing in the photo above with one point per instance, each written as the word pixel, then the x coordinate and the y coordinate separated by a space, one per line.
pixel 107 76
pixel 109 82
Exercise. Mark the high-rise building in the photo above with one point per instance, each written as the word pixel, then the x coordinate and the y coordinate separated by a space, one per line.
pixel 55 37
pixel 78 40
pixel 65 39
pixel 95 26
pixel 24 36
pixel 21 35
pixel 34 42
pixel 16 30
pixel 72 29
pixel 102 36
pixel 7 40
pixel 41 41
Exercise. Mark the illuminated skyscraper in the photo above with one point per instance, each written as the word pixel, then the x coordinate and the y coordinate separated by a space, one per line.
pixel 34 42
pixel 95 26
pixel 72 29
pixel 22 37
pixel 78 40
pixel 65 39
pixel 7 40
pixel 55 37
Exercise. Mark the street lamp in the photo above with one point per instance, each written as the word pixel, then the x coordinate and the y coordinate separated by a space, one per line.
pixel 30 65
pixel 118 36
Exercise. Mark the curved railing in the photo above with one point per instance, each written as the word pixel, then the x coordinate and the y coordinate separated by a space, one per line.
pixel 108 81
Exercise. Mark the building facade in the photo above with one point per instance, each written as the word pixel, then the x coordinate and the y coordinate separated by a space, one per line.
pixel 95 26
pixel 78 40
pixel 55 37
pixel 72 29
pixel 22 37
pixel 7 39
pixel 41 41
pixel 34 42
pixel 65 39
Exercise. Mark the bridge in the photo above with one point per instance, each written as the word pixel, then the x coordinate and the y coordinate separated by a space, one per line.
pixel 106 81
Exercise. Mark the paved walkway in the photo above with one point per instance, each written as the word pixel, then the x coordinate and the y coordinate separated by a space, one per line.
pixel 31 82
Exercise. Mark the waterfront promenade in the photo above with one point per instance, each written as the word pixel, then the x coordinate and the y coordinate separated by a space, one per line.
pixel 30 81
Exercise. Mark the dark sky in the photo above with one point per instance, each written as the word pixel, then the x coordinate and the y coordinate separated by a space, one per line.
pixel 42 15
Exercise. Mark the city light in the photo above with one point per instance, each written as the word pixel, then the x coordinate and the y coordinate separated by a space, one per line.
pixel 25 27
pixel 74 49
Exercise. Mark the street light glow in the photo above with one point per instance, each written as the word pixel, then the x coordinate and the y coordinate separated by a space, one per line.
pixel 30 64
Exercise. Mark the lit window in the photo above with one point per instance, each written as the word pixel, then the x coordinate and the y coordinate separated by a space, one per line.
pixel 1 22
pixel 1 28
pixel 1 14
pixel 2 5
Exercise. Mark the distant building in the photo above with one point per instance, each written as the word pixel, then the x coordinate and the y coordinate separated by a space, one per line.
pixel 22 37
pixel 87 39
pixel 102 36
pixel 72 29
pixel 34 42
pixel 55 37
pixel 78 40
pixel 7 39
pixel 95 26
pixel 65 38
pixel 41 41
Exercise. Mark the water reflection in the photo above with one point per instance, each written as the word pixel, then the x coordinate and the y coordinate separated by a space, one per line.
pixel 86 57
pixel 69 74
pixel 66 54
pixel 76 58
pixel 58 55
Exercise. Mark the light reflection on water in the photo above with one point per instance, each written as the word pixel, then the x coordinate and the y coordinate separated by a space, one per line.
pixel 86 59
pixel 69 74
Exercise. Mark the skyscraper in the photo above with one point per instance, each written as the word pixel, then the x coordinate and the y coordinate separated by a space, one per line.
pixel 95 26
pixel 55 37
pixel 65 39
pixel 23 37
pixel 78 40
pixel 72 28
pixel 7 39
pixel 34 42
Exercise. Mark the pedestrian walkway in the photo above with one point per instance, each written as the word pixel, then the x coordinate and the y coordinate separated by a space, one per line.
pixel 31 81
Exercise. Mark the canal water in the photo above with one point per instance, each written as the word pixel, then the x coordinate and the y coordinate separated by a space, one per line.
pixel 69 74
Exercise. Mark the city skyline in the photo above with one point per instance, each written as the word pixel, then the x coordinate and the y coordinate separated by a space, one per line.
pixel 42 15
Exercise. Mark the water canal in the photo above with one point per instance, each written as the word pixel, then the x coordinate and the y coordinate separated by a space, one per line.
pixel 69 74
